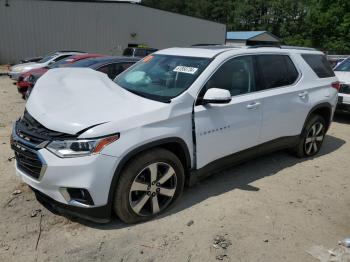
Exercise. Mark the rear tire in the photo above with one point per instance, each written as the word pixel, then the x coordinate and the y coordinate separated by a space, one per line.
pixel 311 138
pixel 148 185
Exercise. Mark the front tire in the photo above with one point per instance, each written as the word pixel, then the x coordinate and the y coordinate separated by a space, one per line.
pixel 312 137
pixel 148 185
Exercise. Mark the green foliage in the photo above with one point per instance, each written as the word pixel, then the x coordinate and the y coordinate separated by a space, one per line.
pixel 323 24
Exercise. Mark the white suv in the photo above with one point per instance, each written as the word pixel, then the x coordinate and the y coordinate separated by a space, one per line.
pixel 89 146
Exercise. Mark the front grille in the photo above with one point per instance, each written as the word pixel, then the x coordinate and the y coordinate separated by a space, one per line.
pixel 31 130
pixel 344 89
pixel 28 137
pixel 27 160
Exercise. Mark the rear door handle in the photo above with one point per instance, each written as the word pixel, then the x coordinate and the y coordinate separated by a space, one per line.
pixel 303 94
pixel 253 105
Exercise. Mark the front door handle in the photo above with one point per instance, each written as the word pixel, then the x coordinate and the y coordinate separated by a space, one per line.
pixel 253 105
pixel 303 94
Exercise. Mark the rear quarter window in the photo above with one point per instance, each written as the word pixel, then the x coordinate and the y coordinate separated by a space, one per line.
pixel 319 64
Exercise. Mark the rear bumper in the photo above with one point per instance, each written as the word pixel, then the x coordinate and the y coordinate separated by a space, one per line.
pixel 100 214
pixel 343 102
pixel 343 107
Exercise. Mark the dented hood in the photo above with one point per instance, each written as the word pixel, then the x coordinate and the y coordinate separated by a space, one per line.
pixel 70 100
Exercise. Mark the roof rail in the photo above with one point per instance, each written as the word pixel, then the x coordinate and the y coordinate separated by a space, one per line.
pixel 262 46
pixel 207 45
pixel 298 47
pixel 284 47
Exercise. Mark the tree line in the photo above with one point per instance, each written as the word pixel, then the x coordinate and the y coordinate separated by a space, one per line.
pixel 323 24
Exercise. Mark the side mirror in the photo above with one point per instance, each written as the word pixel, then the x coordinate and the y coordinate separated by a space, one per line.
pixel 217 96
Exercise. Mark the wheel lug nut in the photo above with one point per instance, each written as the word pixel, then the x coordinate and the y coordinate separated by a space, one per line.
pixel 148 193
pixel 158 184
pixel 158 189
pixel 153 194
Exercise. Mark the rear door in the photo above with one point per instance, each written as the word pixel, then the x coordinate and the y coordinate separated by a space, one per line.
pixel 285 102
pixel 224 129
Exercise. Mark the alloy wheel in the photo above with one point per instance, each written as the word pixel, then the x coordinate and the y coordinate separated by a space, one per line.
pixel 153 189
pixel 314 139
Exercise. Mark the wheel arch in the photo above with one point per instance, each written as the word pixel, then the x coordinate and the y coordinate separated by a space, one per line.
pixel 323 109
pixel 175 145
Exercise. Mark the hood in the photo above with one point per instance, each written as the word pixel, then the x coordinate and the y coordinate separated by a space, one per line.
pixel 70 100
pixel 343 77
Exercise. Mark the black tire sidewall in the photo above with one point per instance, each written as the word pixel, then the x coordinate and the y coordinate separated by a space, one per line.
pixel 121 204
pixel 301 146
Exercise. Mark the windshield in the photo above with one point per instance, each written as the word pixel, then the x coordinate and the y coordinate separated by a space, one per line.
pixel 162 77
pixel 60 63
pixel 46 58
pixel 344 66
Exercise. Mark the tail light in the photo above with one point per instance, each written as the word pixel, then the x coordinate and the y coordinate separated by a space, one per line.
pixel 336 85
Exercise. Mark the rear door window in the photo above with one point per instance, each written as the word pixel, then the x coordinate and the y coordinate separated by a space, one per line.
pixel 276 71
pixel 319 64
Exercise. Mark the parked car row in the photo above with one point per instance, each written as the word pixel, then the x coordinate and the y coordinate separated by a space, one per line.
pixel 90 146
pixel 27 80
pixel 30 70
pixel 17 70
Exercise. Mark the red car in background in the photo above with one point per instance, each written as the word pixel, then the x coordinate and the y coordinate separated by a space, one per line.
pixel 24 82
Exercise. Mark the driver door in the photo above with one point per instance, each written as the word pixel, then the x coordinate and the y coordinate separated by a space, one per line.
pixel 224 129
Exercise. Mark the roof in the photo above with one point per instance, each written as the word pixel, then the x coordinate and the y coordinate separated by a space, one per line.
pixel 212 51
pixel 251 35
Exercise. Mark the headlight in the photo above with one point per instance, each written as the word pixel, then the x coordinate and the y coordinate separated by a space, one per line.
pixel 76 148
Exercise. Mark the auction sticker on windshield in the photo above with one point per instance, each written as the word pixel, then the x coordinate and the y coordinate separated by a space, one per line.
pixel 186 69
pixel 148 58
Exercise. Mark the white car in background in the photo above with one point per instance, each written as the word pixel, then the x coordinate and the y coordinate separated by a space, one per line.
pixel 17 70
pixel 342 71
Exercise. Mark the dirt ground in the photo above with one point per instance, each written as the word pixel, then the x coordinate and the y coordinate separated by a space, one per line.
pixel 275 208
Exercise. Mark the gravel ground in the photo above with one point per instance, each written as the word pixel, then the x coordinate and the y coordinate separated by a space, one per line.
pixel 275 208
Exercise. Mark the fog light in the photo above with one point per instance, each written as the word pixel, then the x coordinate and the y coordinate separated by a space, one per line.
pixel 80 195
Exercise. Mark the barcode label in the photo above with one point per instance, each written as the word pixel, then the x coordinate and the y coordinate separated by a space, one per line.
pixel 186 69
